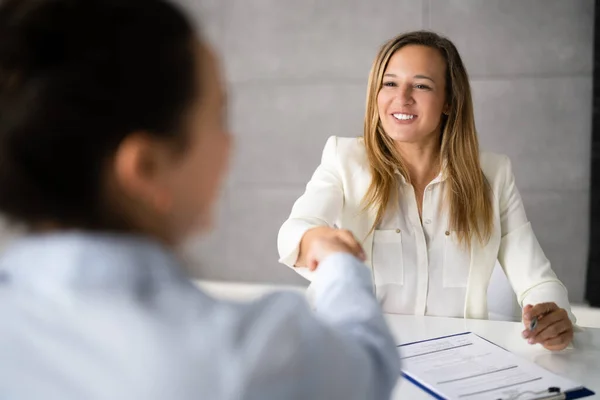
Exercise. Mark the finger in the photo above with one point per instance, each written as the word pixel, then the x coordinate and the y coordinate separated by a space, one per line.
pixel 311 261
pixel 551 331
pixel 558 343
pixel 544 323
pixel 549 319
pixel 539 310
pixel 349 246
pixel 525 313
pixel 349 240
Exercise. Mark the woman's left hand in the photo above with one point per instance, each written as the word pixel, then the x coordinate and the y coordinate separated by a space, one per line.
pixel 554 329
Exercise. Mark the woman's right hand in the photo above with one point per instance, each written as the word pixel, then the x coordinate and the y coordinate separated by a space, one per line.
pixel 320 242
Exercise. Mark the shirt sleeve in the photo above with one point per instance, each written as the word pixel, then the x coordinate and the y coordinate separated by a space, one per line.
pixel 342 350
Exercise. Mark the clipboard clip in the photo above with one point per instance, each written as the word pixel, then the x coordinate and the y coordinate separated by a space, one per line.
pixel 552 393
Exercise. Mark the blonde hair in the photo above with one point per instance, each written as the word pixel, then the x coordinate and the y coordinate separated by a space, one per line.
pixel 467 195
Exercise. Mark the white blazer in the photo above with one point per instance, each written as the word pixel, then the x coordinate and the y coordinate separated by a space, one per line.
pixel 333 197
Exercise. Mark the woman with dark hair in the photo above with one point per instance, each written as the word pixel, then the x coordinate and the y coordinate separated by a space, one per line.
pixel 113 145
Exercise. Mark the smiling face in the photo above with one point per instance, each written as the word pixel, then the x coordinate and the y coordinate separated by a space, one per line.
pixel 412 97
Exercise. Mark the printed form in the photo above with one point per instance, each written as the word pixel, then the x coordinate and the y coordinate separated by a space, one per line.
pixel 468 367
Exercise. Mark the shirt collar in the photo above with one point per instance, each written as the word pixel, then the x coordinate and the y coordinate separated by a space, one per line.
pixel 111 261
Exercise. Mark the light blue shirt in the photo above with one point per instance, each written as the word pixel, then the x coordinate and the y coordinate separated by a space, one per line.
pixel 87 316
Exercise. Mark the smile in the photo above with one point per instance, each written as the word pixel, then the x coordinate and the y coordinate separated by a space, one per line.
pixel 403 117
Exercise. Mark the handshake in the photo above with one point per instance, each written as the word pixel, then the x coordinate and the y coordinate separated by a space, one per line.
pixel 320 242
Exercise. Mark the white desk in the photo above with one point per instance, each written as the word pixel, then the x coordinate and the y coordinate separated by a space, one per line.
pixel 581 364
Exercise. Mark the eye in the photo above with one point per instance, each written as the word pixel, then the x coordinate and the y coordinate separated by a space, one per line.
pixel 389 84
pixel 423 87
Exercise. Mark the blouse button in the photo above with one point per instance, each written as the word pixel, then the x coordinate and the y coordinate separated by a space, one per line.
pixel 447 233
pixel 397 230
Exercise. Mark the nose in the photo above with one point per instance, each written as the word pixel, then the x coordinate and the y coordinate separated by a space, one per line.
pixel 404 95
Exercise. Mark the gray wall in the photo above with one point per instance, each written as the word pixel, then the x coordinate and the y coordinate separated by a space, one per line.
pixel 297 73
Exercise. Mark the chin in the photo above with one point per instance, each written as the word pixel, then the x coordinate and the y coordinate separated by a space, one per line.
pixel 405 137
pixel 194 229
pixel 204 224
pixel 411 134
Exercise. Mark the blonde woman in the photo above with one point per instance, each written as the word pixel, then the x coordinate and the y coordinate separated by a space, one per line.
pixel 430 212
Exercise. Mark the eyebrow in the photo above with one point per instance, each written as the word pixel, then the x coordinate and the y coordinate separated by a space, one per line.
pixel 416 77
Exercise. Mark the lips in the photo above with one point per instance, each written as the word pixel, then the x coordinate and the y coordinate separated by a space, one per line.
pixel 404 117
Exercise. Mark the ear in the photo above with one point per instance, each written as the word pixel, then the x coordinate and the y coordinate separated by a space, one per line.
pixel 446 109
pixel 140 168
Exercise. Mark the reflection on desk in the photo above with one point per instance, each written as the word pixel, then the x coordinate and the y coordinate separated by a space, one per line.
pixel 581 364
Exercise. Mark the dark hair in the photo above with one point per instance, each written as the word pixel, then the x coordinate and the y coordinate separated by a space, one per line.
pixel 76 77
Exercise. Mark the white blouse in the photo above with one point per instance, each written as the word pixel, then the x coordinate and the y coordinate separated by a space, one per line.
pixel 419 268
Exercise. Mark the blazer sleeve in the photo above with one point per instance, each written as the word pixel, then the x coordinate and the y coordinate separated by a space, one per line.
pixel 520 254
pixel 320 205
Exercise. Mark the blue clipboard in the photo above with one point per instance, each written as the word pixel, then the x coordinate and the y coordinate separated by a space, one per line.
pixel 567 395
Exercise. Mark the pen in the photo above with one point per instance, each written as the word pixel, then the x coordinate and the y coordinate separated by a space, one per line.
pixel 553 393
pixel 534 320
pixel 533 323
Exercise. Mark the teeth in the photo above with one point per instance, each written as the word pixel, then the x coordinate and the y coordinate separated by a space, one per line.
pixel 403 116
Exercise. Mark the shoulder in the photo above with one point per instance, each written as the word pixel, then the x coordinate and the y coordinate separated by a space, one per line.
pixel 345 151
pixel 495 166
